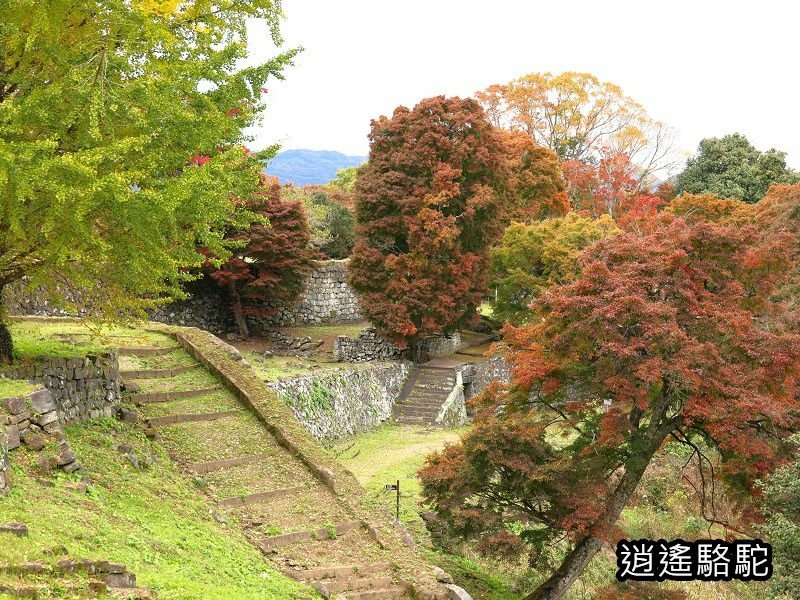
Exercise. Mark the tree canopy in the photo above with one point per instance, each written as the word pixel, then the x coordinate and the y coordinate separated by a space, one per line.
pixel 429 204
pixel 271 259
pixel 659 338
pixel 532 258
pixel 121 141
pixel 731 167
pixel 581 118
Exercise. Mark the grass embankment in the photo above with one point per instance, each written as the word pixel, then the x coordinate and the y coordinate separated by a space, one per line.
pixel 10 388
pixel 36 340
pixel 396 452
pixel 153 520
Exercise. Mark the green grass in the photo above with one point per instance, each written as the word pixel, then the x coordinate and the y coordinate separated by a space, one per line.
pixel 318 331
pixel 396 452
pixel 34 339
pixel 11 388
pixel 278 367
pixel 153 520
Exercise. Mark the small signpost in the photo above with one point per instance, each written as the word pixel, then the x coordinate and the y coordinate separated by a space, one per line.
pixel 394 487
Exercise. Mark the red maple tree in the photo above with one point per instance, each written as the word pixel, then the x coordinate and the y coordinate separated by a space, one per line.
pixel 273 258
pixel 429 204
pixel 662 337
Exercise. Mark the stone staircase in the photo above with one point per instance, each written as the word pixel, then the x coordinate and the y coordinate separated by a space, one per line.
pixel 426 389
pixel 285 508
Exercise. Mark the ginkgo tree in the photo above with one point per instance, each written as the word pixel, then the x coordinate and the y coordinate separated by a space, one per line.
pixel 669 335
pixel 102 108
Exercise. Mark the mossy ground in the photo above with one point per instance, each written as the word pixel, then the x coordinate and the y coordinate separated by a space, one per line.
pixel 153 520
pixel 10 388
pixel 62 339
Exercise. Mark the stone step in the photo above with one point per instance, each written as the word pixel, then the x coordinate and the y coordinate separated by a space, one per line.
pixel 425 378
pixel 258 497
pixel 406 409
pixel 142 352
pixel 191 417
pixel 395 591
pixel 414 420
pixel 149 397
pixel 201 468
pixel 442 395
pixel 275 541
pixel 353 584
pixel 337 571
pixel 157 373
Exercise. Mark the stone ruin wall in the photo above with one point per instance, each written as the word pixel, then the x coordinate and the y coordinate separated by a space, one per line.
pixel 327 299
pixel 75 390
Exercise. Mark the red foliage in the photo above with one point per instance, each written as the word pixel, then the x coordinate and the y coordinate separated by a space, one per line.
pixel 611 188
pixel 275 259
pixel 429 204
pixel 668 327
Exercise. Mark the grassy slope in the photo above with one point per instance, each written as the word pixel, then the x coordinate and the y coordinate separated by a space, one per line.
pixel 395 452
pixel 34 339
pixel 153 520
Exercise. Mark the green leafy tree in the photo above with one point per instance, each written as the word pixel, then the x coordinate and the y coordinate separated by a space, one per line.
pixel 781 507
pixel 731 167
pixel 121 142
pixel 332 225
pixel 345 179
pixel 533 257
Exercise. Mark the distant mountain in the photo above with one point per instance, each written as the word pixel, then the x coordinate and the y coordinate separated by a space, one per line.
pixel 310 167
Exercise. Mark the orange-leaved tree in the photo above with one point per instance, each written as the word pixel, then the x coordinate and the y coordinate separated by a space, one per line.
pixel 660 338
pixel 429 204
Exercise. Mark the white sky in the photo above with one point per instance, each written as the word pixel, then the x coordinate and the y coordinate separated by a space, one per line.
pixel 705 67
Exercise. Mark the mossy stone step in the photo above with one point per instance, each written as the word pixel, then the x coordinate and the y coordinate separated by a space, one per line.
pixel 146 351
pixel 337 571
pixel 352 584
pixel 276 541
pixel 149 397
pixel 201 468
pixel 396 591
pixel 157 373
pixel 191 417
pixel 258 497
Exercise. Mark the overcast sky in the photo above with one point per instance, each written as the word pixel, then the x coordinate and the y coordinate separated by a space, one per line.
pixel 705 67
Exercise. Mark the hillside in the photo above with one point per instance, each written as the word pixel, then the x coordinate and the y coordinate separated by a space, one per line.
pixel 309 167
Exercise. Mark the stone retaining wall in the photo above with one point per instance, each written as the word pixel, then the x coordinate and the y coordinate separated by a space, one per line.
pixel 368 346
pixel 83 388
pixel 327 298
pixel 478 376
pixel 342 402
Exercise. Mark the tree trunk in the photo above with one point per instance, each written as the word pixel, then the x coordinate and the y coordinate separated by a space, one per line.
pixel 238 311
pixel 586 548
pixel 6 344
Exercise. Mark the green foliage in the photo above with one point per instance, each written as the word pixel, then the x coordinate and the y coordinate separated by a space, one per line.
pixel 332 225
pixel 781 506
pixel 121 141
pixel 345 179
pixel 731 167
pixel 534 257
